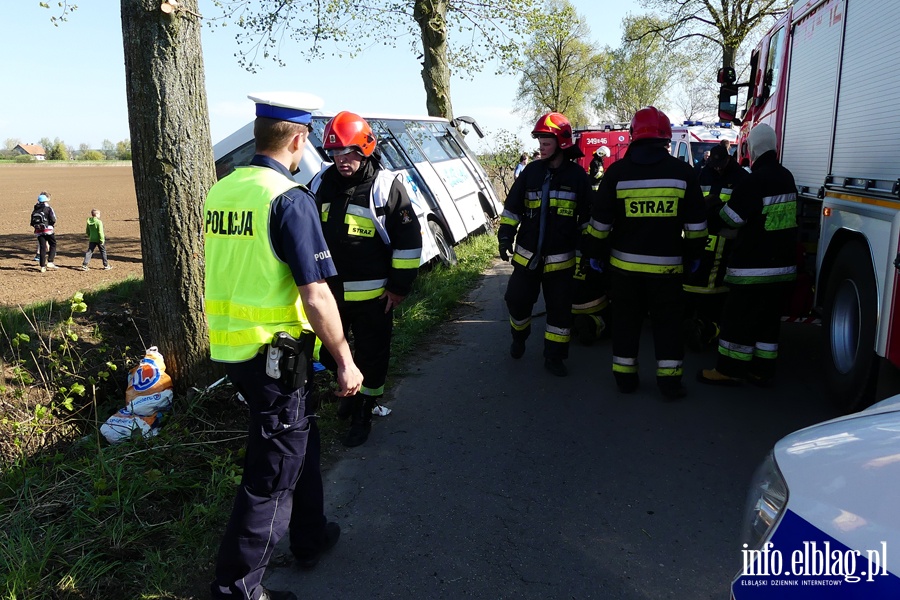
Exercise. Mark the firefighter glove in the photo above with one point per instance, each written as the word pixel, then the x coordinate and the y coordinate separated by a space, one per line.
pixel 597 264
pixel 505 249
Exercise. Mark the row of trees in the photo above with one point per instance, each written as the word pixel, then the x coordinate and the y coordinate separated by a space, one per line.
pixel 59 150
pixel 667 58
pixel 169 119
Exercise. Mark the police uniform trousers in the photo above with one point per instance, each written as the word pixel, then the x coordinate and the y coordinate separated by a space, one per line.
pixel 307 527
pixel 372 329
pixel 276 447
pixel 590 305
pixel 521 295
pixel 633 297
pixel 748 343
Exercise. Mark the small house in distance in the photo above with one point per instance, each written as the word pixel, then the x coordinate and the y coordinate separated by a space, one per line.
pixel 35 150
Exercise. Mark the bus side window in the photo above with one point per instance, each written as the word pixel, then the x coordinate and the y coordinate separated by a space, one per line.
pixel 425 136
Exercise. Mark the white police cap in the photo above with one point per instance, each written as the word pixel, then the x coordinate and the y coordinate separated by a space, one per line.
pixel 296 107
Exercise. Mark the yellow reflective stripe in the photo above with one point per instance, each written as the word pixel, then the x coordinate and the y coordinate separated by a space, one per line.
pixel 507 221
pixel 364 295
pixel 676 372
pixel 559 266
pixel 645 268
pixel 556 334
pixel 519 259
pixel 617 368
pixel 693 235
pixel 224 308
pixel 595 233
pixel 326 206
pixel 367 391
pixel 519 325
pixel 563 203
pixel 405 263
pixel 533 203
pixel 252 336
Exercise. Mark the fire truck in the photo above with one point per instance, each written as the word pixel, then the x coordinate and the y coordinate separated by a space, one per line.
pixel 692 139
pixel 826 78
pixel 614 136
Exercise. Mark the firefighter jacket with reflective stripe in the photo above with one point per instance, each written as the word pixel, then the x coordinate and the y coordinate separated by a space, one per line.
pixel 648 214
pixel 568 206
pixel 764 210
pixel 371 229
pixel 717 187
pixel 249 293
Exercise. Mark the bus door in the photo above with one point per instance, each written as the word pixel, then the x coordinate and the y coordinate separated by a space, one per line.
pixel 456 146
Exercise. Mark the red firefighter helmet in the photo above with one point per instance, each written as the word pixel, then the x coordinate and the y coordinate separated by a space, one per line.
pixel 557 125
pixel 348 131
pixel 650 123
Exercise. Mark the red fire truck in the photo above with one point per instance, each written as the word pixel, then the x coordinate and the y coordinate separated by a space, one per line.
pixel 614 136
pixel 826 77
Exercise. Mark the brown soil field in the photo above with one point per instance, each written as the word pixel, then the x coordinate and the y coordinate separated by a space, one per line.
pixel 75 190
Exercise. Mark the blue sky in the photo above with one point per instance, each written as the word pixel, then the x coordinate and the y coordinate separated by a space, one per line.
pixel 69 81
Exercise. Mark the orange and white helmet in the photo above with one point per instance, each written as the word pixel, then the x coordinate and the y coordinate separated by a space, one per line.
pixel 347 132
pixel 557 125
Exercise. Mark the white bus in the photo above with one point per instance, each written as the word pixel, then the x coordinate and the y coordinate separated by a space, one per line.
pixel 449 189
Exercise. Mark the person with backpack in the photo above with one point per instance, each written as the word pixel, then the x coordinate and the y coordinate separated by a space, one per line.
pixel 42 220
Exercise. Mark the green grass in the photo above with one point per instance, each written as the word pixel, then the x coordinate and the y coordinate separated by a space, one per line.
pixel 81 519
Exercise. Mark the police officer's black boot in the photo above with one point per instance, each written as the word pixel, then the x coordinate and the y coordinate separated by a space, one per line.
pixel 360 421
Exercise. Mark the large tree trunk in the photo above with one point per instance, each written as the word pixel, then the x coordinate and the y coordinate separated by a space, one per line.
pixel 431 15
pixel 173 170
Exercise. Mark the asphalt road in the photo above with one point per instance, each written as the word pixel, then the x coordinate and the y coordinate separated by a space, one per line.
pixel 494 479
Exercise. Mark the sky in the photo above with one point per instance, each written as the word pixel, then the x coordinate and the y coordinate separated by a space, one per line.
pixel 68 82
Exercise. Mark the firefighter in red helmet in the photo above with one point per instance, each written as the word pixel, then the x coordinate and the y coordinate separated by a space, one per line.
pixel 376 243
pixel 540 229
pixel 647 222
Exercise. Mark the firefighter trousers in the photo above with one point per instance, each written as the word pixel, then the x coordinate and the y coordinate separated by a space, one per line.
pixel 748 343
pixel 590 305
pixel 633 297
pixel 522 293
pixel 372 329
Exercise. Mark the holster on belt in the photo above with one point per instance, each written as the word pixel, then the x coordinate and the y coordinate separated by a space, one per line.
pixel 295 357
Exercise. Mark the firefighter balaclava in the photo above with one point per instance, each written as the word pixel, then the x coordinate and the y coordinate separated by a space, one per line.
pixel 760 141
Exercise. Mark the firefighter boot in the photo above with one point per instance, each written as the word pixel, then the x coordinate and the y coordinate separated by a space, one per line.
pixel 360 421
pixel 585 328
pixel 345 408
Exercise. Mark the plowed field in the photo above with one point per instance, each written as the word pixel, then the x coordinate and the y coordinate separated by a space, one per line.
pixel 75 190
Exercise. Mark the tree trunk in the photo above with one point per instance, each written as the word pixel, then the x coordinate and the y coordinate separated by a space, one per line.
pixel 173 169
pixel 431 15
pixel 728 54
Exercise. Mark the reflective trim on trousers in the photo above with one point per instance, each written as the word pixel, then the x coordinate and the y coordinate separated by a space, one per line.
pixel 624 365
pixel 735 351
pixel 520 325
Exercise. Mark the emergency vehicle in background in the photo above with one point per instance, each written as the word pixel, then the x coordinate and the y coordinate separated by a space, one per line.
pixel 692 138
pixel 826 78
pixel 614 136
pixel 450 191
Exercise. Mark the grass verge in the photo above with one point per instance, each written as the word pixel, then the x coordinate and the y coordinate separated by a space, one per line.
pixel 82 519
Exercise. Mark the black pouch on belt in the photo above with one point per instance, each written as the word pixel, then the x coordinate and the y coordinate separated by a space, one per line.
pixel 295 357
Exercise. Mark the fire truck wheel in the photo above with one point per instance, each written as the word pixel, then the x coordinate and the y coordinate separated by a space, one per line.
pixel 446 253
pixel 850 311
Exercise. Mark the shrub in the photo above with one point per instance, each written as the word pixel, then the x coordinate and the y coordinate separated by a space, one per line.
pixel 25 158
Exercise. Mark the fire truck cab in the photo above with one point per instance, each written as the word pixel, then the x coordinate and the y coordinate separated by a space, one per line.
pixel 614 136
pixel 835 63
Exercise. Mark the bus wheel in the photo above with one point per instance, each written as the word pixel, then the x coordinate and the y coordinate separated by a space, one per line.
pixel 850 309
pixel 446 253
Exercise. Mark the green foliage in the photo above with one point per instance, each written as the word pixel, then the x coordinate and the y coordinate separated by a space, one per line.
pixel 637 74
pixel 25 158
pixel 123 150
pixel 57 151
pixel 500 159
pixel 92 155
pixel 559 71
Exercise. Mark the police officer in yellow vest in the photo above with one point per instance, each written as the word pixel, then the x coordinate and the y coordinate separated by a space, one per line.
pixel 266 265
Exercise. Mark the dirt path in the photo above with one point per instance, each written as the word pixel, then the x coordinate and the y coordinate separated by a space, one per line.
pixel 75 189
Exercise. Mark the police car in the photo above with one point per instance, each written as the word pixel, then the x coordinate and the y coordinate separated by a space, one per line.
pixel 450 191
pixel 823 515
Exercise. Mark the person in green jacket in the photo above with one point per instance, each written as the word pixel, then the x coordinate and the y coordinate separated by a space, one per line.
pixel 96 239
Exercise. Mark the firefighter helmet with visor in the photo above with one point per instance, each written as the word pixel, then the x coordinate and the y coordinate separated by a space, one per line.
pixel 556 125
pixel 347 132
